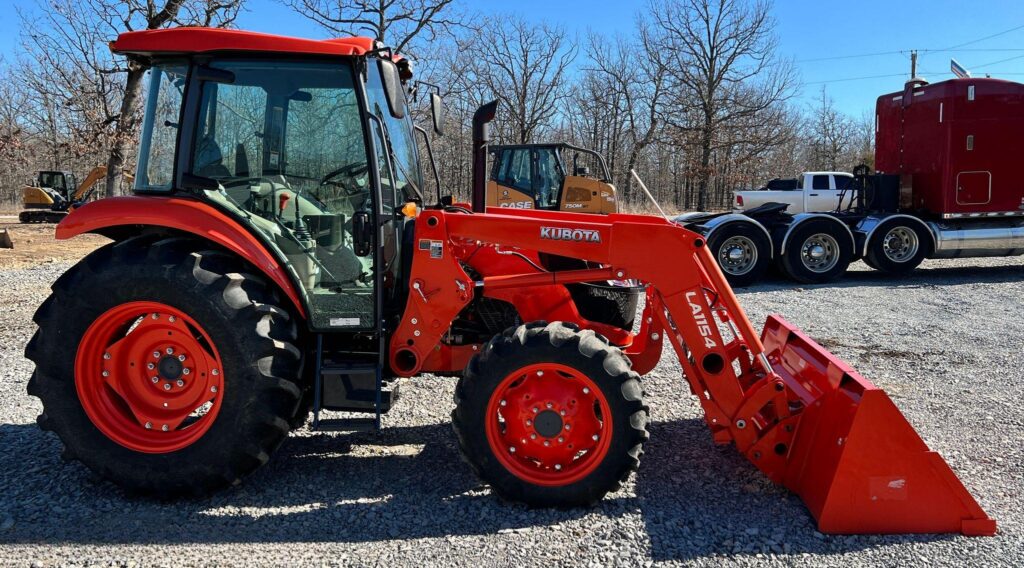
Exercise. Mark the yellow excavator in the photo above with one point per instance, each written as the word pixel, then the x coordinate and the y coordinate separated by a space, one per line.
pixel 539 176
pixel 55 193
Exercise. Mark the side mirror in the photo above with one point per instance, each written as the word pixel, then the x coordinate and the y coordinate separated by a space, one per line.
pixel 437 113
pixel 582 171
pixel 392 82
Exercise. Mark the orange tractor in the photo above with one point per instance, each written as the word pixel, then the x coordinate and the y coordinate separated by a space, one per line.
pixel 279 256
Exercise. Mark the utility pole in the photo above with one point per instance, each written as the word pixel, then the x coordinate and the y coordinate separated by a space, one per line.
pixel 913 64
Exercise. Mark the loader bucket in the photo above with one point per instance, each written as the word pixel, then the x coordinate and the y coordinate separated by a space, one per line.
pixel 856 462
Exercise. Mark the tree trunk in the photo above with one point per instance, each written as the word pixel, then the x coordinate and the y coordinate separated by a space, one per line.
pixel 123 132
pixel 704 175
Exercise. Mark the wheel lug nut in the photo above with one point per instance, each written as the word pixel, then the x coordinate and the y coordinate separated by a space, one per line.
pixel 567 427
pixel 186 371
pixel 151 366
pixel 167 386
pixel 155 380
pixel 155 316
pixel 106 356
pixel 594 437
pixel 172 319
pixel 503 403
pixel 149 425
pixel 213 389
pixel 558 467
pixel 540 373
pixel 164 428
pixel 170 350
pixel 511 449
pixel 547 443
pixel 106 373
pixel 181 357
pixel 529 422
pixel 156 354
pixel 165 405
pixel 533 436
pixel 215 372
pixel 586 390
pixel 560 439
pixel 180 383
pixel 562 412
pixel 535 410
pixel 549 405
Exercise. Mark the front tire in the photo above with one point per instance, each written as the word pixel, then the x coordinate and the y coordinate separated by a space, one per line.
pixel 897 247
pixel 164 368
pixel 817 251
pixel 551 416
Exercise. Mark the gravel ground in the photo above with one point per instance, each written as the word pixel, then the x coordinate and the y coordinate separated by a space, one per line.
pixel 944 343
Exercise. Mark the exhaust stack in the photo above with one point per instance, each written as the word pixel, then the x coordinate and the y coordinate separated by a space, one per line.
pixel 481 137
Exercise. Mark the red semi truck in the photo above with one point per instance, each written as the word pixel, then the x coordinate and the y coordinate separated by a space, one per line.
pixel 947 184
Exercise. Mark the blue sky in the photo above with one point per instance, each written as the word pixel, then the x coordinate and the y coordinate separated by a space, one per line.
pixel 809 31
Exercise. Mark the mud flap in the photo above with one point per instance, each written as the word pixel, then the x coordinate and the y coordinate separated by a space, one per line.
pixel 856 462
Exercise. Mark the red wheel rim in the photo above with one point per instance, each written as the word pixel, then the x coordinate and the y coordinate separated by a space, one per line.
pixel 149 377
pixel 549 424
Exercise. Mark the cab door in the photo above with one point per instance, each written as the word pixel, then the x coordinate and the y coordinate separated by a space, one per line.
pixel 511 182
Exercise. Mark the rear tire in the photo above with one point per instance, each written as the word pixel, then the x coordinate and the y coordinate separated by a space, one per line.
pixel 817 251
pixel 573 411
pixel 897 247
pixel 742 251
pixel 233 321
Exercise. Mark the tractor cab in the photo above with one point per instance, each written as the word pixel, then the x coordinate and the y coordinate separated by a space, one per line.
pixel 553 177
pixel 312 150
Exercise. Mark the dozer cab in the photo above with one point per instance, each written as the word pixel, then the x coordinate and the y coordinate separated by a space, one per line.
pixel 278 257
pixel 550 177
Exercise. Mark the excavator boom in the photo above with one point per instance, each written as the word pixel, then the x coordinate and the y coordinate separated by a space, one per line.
pixel 803 417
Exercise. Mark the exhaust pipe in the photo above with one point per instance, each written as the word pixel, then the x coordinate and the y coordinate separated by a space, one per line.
pixel 481 137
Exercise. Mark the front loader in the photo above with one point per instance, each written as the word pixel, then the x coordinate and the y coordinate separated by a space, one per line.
pixel 278 255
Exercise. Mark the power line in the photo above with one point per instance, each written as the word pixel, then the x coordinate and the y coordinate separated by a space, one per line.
pixel 972 42
pixel 902 51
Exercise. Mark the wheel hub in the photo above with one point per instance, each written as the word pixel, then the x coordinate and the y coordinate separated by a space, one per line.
pixel 170 368
pixel 816 252
pixel 149 377
pixel 548 424
pixel 735 254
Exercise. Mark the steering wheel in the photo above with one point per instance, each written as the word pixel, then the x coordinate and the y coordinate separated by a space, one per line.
pixel 350 170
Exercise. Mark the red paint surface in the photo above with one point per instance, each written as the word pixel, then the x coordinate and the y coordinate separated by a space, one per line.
pixel 205 40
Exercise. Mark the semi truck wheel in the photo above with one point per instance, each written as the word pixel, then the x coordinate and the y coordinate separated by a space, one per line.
pixel 742 251
pixel 164 368
pixel 897 247
pixel 551 416
pixel 818 250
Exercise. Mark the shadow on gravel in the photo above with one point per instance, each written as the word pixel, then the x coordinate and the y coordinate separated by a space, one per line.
pixel 698 500
pixel 921 278
pixel 319 488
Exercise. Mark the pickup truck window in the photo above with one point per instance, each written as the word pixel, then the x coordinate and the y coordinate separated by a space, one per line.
pixel 843 182
pixel 819 182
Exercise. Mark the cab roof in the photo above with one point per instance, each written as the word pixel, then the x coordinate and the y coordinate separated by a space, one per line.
pixel 209 40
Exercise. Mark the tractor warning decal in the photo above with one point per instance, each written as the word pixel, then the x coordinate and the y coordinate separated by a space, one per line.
pixel 569 234
pixel 436 248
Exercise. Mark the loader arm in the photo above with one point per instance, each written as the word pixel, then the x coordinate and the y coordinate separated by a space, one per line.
pixel 856 462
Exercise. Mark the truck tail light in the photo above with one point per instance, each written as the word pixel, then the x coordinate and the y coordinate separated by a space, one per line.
pixel 739 200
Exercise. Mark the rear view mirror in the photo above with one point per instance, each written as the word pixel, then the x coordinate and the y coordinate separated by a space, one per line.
pixel 392 87
pixel 301 96
pixel 437 113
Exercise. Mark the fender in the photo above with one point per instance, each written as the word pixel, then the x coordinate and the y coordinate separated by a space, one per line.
pixel 105 216
pixel 714 224
pixel 870 224
pixel 802 217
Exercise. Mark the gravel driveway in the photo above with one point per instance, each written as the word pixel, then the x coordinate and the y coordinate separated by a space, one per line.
pixel 945 344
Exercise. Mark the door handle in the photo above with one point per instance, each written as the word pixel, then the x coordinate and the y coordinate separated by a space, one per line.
pixel 813 194
pixel 362 233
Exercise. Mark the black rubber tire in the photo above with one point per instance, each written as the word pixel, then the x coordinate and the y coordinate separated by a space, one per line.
pixel 238 311
pixel 303 410
pixel 791 263
pixel 761 242
pixel 586 351
pixel 876 257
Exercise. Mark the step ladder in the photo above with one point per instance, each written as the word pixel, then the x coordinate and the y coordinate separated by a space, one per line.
pixel 356 387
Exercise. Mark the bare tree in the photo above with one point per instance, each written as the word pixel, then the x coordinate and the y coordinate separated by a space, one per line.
pixel 73 71
pixel 396 23
pixel 721 56
pixel 526 67
pixel 829 135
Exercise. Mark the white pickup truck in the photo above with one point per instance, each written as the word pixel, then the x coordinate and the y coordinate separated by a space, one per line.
pixel 814 192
